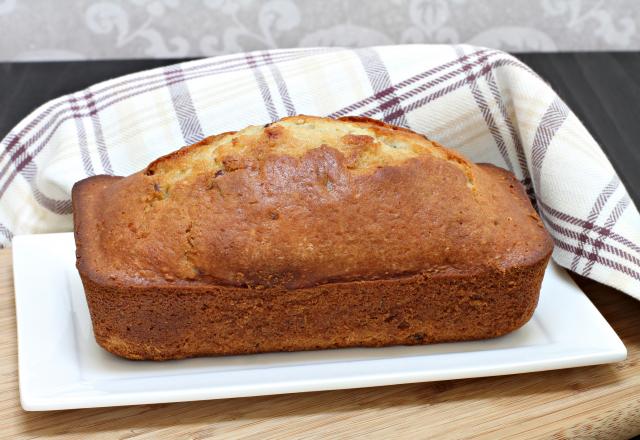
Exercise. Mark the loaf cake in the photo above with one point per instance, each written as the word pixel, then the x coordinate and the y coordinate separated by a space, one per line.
pixel 307 233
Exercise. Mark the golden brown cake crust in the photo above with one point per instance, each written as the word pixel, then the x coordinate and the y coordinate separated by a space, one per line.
pixel 306 233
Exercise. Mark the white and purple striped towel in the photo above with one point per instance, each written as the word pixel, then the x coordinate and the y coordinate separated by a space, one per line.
pixel 482 102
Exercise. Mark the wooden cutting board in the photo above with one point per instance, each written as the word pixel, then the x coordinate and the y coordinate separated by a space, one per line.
pixel 589 402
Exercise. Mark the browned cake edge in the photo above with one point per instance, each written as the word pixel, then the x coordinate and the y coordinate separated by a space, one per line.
pixel 166 321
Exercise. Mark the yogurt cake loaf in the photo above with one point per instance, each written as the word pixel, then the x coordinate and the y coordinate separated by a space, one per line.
pixel 304 234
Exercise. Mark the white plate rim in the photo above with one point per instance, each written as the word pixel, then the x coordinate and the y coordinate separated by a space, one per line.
pixel 609 349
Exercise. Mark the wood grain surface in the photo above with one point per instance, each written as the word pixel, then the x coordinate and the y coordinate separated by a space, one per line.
pixel 589 402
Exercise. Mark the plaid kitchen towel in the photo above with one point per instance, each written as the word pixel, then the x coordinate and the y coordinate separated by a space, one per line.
pixel 482 102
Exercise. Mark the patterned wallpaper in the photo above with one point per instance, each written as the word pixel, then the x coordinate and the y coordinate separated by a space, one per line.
pixel 81 29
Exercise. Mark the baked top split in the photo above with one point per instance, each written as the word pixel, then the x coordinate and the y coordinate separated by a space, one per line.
pixel 302 202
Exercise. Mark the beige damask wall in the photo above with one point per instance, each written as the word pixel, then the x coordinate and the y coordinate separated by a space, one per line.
pixel 83 29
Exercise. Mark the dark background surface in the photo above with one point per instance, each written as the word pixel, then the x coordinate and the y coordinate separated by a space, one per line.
pixel 602 88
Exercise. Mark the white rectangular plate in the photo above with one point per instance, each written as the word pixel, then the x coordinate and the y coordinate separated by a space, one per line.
pixel 62 367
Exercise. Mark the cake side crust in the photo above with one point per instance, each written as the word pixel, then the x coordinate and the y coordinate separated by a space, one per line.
pixel 174 323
